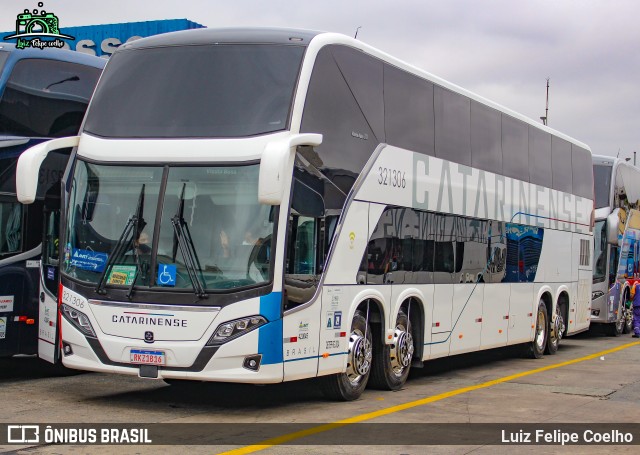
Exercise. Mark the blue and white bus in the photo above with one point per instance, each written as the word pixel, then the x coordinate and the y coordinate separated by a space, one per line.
pixel 43 95
pixel 260 205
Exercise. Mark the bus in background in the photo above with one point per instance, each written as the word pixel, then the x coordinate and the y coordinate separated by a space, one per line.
pixel 43 95
pixel 302 204
pixel 617 192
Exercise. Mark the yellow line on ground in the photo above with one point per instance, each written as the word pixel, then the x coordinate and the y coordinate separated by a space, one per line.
pixel 279 440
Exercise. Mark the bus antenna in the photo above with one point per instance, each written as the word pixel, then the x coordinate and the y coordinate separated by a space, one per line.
pixel 356 35
pixel 545 119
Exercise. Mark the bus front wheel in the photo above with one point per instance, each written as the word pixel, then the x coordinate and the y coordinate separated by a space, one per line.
pixel 615 329
pixel 348 386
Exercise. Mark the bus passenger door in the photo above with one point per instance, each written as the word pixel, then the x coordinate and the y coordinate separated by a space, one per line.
pixel 48 336
pixel 308 236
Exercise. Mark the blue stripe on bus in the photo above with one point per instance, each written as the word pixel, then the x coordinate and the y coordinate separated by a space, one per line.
pixel 270 334
pixel 270 306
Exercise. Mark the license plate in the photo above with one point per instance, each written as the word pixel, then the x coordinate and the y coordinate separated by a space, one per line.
pixel 144 357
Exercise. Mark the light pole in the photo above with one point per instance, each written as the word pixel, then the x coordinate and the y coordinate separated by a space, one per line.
pixel 545 119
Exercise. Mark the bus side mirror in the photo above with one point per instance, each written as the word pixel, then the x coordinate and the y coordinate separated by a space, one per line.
pixel 28 168
pixel 276 166
pixel 613 222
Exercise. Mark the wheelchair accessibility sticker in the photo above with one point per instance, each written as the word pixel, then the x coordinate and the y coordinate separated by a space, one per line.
pixel 166 274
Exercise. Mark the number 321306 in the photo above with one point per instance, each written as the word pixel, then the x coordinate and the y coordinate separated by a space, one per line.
pixel 391 177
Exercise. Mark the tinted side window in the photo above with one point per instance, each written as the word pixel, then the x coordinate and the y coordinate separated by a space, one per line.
pixel 408 111
pixel 8 175
pixel 423 247
pixel 515 148
pixel 380 249
pixel 10 228
pixel 406 221
pixel 52 170
pixel 561 164
pixel 486 148
pixel 363 74
pixel 3 58
pixel 50 259
pixel 471 248
pixel 540 157
pixel 496 253
pixel 582 172
pixel 46 98
pixel 453 125
pixel 331 109
pixel 444 248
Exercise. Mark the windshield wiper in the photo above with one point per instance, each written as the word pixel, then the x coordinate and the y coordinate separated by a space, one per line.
pixel 134 222
pixel 138 224
pixel 182 238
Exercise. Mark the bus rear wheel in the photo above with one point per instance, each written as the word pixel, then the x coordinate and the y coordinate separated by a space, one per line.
pixel 391 362
pixel 348 386
pixel 536 348
pixel 556 331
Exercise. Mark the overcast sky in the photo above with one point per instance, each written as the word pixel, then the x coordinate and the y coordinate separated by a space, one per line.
pixel 500 49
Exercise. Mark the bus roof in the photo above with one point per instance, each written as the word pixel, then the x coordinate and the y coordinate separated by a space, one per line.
pixel 256 35
pixel 52 54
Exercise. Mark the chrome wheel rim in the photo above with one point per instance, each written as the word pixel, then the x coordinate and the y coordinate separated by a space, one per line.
pixel 558 327
pixel 360 355
pixel 402 350
pixel 622 320
pixel 540 331
pixel 628 318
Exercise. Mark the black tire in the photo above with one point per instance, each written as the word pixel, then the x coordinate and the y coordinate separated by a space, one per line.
pixel 535 349
pixel 391 363
pixel 348 386
pixel 557 329
pixel 628 319
pixel 615 329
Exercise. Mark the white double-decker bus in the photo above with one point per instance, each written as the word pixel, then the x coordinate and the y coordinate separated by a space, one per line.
pixel 259 205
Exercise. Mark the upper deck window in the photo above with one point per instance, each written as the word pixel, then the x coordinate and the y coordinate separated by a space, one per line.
pixel 3 58
pixel 46 98
pixel 216 90
pixel 602 184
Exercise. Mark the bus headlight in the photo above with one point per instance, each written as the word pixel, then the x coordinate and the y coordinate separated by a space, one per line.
pixel 233 329
pixel 78 319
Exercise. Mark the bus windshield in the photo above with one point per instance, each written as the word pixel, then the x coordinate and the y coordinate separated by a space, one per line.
pixel 602 184
pixel 217 90
pixel 213 232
